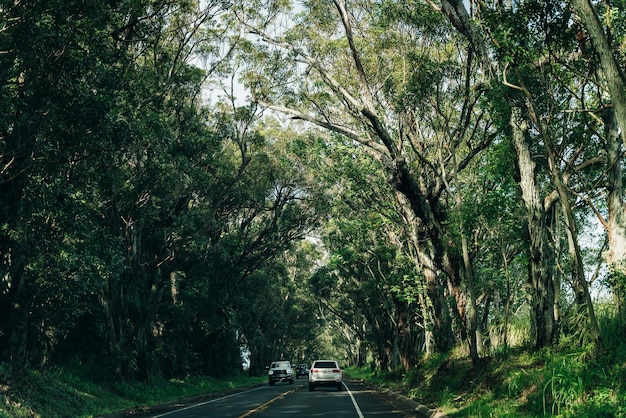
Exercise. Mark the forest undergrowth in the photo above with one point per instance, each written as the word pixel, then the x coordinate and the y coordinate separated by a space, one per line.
pixel 568 380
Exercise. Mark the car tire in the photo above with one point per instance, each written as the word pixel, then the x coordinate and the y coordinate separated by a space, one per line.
pixel 272 383
pixel 311 388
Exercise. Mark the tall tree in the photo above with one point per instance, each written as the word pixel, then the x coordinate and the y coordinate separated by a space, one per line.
pixel 527 38
pixel 60 74
pixel 369 88
pixel 537 69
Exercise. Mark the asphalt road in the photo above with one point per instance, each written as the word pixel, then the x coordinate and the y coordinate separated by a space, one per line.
pixel 285 400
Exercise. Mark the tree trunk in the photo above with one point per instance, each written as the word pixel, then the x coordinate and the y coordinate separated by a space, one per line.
pixel 407 345
pixel 541 286
pixel 609 65
pixel 114 334
pixel 19 328
pixel 580 285
pixel 431 252
pixel 437 328
pixel 472 315
pixel 14 326
pixel 507 304
pixel 616 224
pixel 578 274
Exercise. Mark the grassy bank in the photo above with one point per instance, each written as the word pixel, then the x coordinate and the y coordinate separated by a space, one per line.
pixel 574 378
pixel 565 383
pixel 76 393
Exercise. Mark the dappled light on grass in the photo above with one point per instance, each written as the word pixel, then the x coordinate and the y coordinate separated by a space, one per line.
pixel 560 382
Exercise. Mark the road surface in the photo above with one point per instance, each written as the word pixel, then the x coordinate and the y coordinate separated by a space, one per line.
pixel 285 400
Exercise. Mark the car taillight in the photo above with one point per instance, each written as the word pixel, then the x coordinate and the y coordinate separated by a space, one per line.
pixel 313 370
pixel 336 370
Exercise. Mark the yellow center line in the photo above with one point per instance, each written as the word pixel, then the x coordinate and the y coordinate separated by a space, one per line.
pixel 266 404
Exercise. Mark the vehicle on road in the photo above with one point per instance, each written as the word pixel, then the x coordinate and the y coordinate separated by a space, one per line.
pixel 325 373
pixel 280 371
pixel 302 370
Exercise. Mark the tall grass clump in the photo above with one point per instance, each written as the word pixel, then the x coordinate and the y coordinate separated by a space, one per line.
pixel 563 387
pixel 585 379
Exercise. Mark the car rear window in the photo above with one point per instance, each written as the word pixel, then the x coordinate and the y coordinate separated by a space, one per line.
pixel 282 364
pixel 325 365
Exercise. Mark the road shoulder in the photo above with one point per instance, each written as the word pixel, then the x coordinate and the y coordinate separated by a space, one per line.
pixel 398 401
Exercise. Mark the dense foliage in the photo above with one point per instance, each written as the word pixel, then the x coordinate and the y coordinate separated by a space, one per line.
pixel 405 177
pixel 492 158
pixel 141 228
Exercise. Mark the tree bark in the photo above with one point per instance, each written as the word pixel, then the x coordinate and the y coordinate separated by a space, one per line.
pixel 616 224
pixel 468 271
pixel 580 285
pixel 578 274
pixel 541 286
pixel 438 333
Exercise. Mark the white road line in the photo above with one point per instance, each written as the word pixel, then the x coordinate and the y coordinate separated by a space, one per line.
pixel 206 403
pixel 356 405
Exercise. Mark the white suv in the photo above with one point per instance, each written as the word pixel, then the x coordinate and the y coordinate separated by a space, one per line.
pixel 280 371
pixel 325 373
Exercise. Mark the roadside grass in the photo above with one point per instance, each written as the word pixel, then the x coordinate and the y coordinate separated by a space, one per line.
pixel 75 393
pixel 521 383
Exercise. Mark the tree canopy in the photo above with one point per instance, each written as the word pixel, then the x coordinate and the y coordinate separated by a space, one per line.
pixel 403 177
